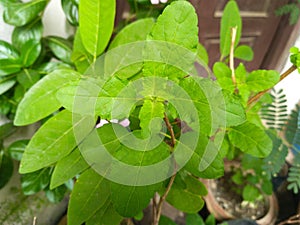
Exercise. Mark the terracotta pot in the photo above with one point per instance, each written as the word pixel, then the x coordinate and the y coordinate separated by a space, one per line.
pixel 221 214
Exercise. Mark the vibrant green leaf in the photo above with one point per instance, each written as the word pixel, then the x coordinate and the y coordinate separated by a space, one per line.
pixel 250 193
pixel 50 144
pixel 244 52
pixel 6 169
pixel 30 51
pixel 40 101
pixel 9 66
pixel 136 31
pixel 166 221
pixel 260 80
pixel 32 183
pixel 7 51
pixel 96 26
pixel 223 74
pixel 28 77
pixel 105 215
pixel 230 19
pixel 194 219
pixel 17 148
pixel 71 10
pixel 60 47
pixel 235 112
pixel 90 193
pixel 202 53
pixel 184 200
pixel 151 115
pixel 19 13
pixel 67 168
pixel 251 139
pixel 210 220
pixel 130 200
pixel 33 30
pixel 6 84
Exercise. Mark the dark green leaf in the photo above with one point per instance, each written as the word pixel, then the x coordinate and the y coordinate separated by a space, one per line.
pixel 28 77
pixel 50 144
pixel 30 51
pixel 32 183
pixel 166 221
pixel 67 168
pixel 19 14
pixel 33 30
pixel 210 220
pixel 57 194
pixel 6 126
pixel 244 52
pixel 251 193
pixel 9 66
pixel 40 101
pixel 90 193
pixel 251 139
pixel 17 149
pixel 7 51
pixel 230 19
pixel 60 47
pixel 6 84
pixel 194 219
pixel 96 26
pixel 6 169
pixel 71 10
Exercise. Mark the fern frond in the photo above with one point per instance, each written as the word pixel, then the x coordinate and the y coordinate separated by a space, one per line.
pixel 294 175
pixel 291 126
pixel 275 114
pixel 275 161
pixel 291 9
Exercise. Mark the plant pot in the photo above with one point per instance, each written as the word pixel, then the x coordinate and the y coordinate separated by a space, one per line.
pixel 221 214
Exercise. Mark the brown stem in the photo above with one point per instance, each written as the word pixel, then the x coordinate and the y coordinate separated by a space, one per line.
pixel 292 220
pixel 158 208
pixel 256 97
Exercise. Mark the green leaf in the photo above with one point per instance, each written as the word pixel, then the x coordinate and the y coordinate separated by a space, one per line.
pixel 223 74
pixel 251 139
pixel 50 144
pixel 267 186
pixel 250 193
pixel 70 8
pixel 80 56
pixel 96 26
pixel 33 30
pixel 260 80
pixel 231 18
pixel 136 31
pixel 244 52
pixel 90 193
pixel 6 126
pixel 60 47
pixel 6 84
pixel 6 169
pixel 184 200
pixel 194 219
pixel 28 78
pixel 19 14
pixel 7 51
pixel 130 200
pixel 17 148
pixel 151 115
pixel 57 194
pixel 32 183
pixel 105 215
pixel 9 66
pixel 40 101
pixel 67 168
pixel 210 220
pixel 166 221
pixel 30 51
pixel 202 53
pixel 235 112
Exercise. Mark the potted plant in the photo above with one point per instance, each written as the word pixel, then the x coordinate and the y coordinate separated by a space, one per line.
pixel 180 126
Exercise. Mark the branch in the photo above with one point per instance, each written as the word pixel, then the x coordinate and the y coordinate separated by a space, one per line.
pixel 231 57
pixel 256 97
pixel 292 220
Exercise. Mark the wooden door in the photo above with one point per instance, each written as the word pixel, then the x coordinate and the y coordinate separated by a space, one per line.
pixel 259 28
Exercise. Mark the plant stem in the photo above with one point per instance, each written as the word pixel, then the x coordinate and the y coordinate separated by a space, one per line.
pixel 292 220
pixel 231 56
pixel 158 207
pixel 256 97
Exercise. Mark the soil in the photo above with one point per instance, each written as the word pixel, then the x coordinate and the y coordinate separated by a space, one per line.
pixel 233 203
